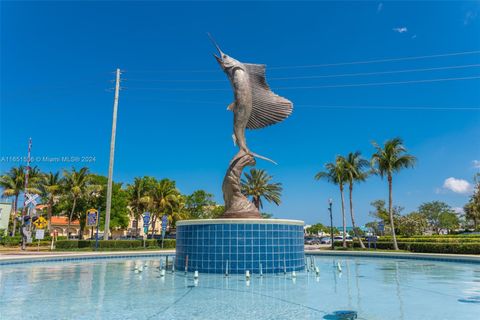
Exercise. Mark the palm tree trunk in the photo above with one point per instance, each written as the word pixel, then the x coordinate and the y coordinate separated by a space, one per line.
pixel 15 204
pixel 256 202
pixel 390 212
pixel 353 218
pixel 49 215
pixel 344 242
pixel 70 217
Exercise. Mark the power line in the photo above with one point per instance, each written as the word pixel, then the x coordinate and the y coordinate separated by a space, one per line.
pixel 389 107
pixel 451 54
pixel 377 73
pixel 321 76
pixel 377 60
pixel 381 83
pixel 322 86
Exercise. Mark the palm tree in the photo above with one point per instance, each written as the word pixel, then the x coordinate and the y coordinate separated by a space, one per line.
pixel 75 185
pixel 354 170
pixel 335 173
pixel 13 184
pixel 257 185
pixel 386 161
pixel 163 198
pixel 138 198
pixel 50 188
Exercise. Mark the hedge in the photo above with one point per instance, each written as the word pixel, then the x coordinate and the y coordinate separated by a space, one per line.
pixel 114 244
pixel 424 247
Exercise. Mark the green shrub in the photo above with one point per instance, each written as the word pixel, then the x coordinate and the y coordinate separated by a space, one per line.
pixel 458 248
pixel 114 244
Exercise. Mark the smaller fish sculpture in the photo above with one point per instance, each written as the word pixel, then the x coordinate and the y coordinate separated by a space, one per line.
pixel 255 106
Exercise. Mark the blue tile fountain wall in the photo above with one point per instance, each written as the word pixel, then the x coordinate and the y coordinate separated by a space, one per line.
pixel 273 245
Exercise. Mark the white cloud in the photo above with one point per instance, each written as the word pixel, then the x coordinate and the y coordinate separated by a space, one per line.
pixel 476 164
pixel 458 210
pixel 400 29
pixel 379 7
pixel 457 185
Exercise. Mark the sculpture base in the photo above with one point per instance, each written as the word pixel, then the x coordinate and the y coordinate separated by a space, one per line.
pixel 241 215
pixel 238 245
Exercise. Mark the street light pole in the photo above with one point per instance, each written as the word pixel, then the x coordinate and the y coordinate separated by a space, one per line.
pixel 330 202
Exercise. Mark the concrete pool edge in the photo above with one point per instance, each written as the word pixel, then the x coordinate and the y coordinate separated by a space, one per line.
pixel 76 256
pixel 399 255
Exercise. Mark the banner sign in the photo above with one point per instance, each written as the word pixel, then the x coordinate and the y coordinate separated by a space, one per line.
pixel 146 219
pixel 92 217
pixel 5 211
pixel 164 223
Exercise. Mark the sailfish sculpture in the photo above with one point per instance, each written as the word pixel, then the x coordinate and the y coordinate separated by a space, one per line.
pixel 255 106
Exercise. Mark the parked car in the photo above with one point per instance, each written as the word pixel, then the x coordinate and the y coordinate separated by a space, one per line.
pixel 326 240
pixel 340 238
pixel 311 240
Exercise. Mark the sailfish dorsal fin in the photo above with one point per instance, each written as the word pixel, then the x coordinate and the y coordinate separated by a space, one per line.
pixel 268 108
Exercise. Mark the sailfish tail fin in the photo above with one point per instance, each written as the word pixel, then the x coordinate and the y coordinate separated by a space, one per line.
pixel 262 157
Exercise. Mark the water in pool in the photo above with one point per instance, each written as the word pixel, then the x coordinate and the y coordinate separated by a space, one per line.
pixel 371 287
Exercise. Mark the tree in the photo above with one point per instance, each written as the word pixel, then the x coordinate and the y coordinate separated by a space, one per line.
pixel 75 185
pixel 336 174
pixel 412 224
pixel 138 197
pixel 387 160
pixel 163 199
pixel 50 190
pixel 355 167
pixel 199 204
pixel 472 208
pixel 256 184
pixel 318 227
pixel 13 184
pixel 439 215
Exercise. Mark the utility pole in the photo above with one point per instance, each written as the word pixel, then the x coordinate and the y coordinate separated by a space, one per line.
pixel 112 156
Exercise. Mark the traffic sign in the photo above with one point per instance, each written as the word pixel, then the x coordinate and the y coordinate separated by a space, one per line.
pixel 40 223
pixel 92 217
pixel 39 234
pixel 381 226
pixel 31 198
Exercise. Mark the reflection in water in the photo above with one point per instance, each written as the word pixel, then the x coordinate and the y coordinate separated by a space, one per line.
pixel 377 289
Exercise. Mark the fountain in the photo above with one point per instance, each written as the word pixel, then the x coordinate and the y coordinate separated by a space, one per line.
pixel 240 240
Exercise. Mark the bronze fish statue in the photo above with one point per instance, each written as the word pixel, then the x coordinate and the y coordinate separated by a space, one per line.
pixel 255 105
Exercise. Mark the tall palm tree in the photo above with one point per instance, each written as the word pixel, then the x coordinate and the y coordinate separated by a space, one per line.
pixel 336 174
pixel 50 188
pixel 75 185
pixel 386 161
pixel 163 198
pixel 256 184
pixel 355 167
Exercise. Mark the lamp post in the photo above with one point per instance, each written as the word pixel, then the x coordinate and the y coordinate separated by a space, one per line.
pixel 330 202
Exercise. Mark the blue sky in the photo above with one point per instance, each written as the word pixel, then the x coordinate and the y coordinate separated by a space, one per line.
pixel 58 58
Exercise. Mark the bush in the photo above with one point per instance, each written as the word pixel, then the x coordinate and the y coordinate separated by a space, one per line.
pixel 114 244
pixel 429 247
